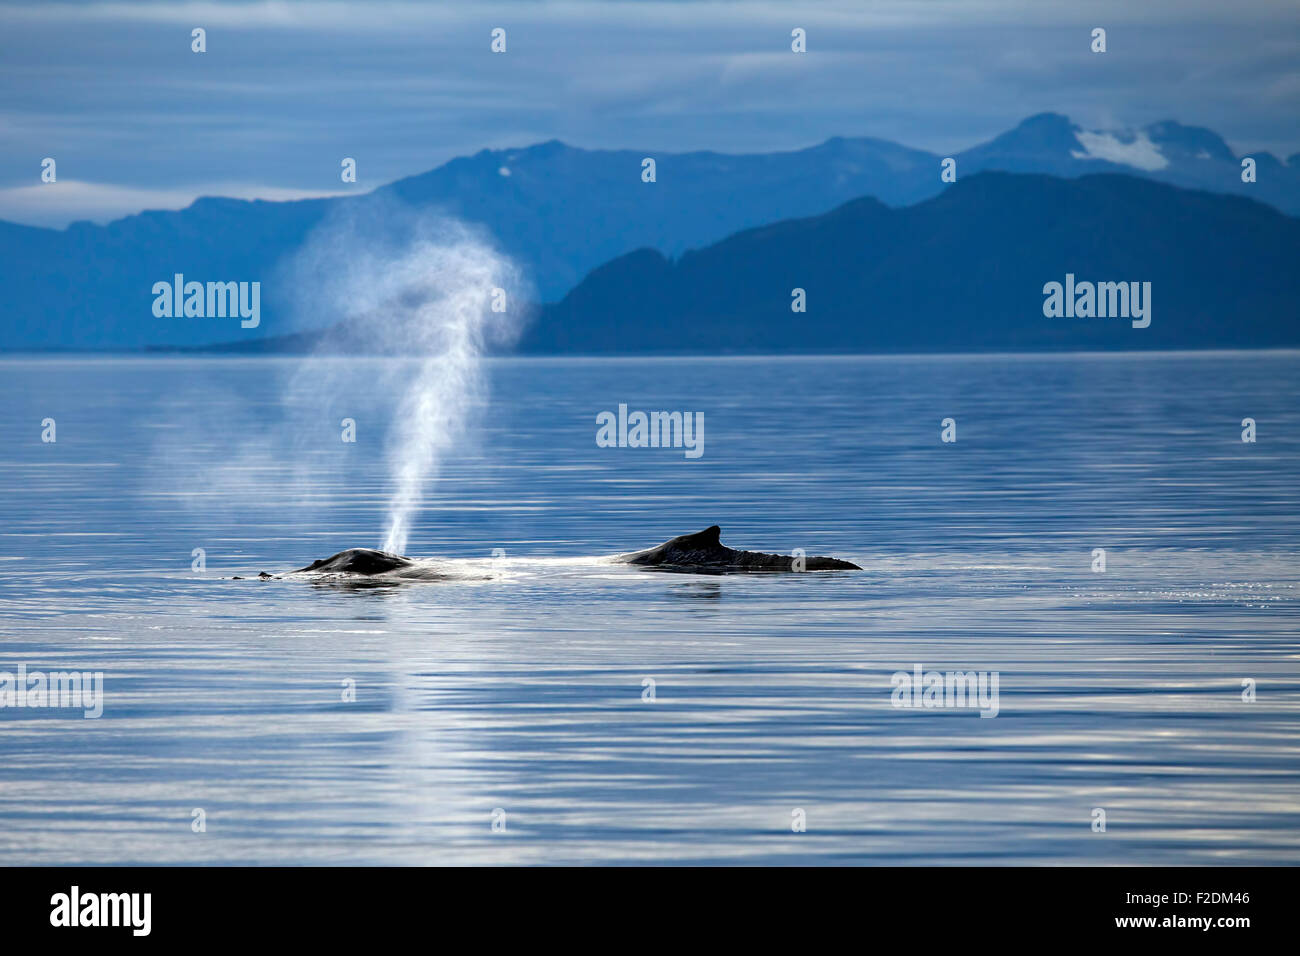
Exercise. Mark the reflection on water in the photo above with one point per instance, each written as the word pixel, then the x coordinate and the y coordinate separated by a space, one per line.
pixel 520 686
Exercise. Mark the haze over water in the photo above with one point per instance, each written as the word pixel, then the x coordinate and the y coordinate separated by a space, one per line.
pixel 523 690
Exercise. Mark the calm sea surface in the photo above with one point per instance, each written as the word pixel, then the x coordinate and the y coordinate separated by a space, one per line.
pixel 519 685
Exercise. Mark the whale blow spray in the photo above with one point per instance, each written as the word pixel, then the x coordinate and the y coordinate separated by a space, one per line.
pixel 435 292
pixel 445 294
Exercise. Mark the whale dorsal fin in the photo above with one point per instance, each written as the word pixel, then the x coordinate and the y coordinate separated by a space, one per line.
pixel 710 537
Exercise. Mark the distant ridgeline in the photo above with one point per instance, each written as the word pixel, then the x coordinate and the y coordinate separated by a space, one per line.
pixel 999 262
pixel 780 252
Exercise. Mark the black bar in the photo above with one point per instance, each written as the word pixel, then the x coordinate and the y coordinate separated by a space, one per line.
pixel 952 906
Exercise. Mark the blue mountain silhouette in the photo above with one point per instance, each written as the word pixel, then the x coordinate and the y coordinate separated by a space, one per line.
pixel 560 212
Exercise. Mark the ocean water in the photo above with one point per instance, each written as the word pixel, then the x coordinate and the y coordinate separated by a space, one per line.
pixel 515 691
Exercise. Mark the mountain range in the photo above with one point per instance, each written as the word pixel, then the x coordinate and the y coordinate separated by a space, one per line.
pixel 967 270
pixel 563 212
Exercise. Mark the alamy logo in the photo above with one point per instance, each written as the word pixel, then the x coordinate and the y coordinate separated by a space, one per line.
pixel 83 690
pixel 212 300
pixel 1102 300
pixel 103 909
pixel 932 689
pixel 651 430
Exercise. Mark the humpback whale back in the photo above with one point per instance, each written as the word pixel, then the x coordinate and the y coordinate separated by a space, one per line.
pixel 359 561
pixel 704 551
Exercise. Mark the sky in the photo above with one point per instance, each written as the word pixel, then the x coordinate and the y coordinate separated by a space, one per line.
pixel 135 119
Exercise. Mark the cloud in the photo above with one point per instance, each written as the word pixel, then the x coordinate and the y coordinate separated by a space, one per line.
pixel 349 16
pixel 1137 151
pixel 113 92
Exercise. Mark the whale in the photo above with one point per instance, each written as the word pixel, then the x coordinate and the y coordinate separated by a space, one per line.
pixel 704 551
pixel 701 552
pixel 358 561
